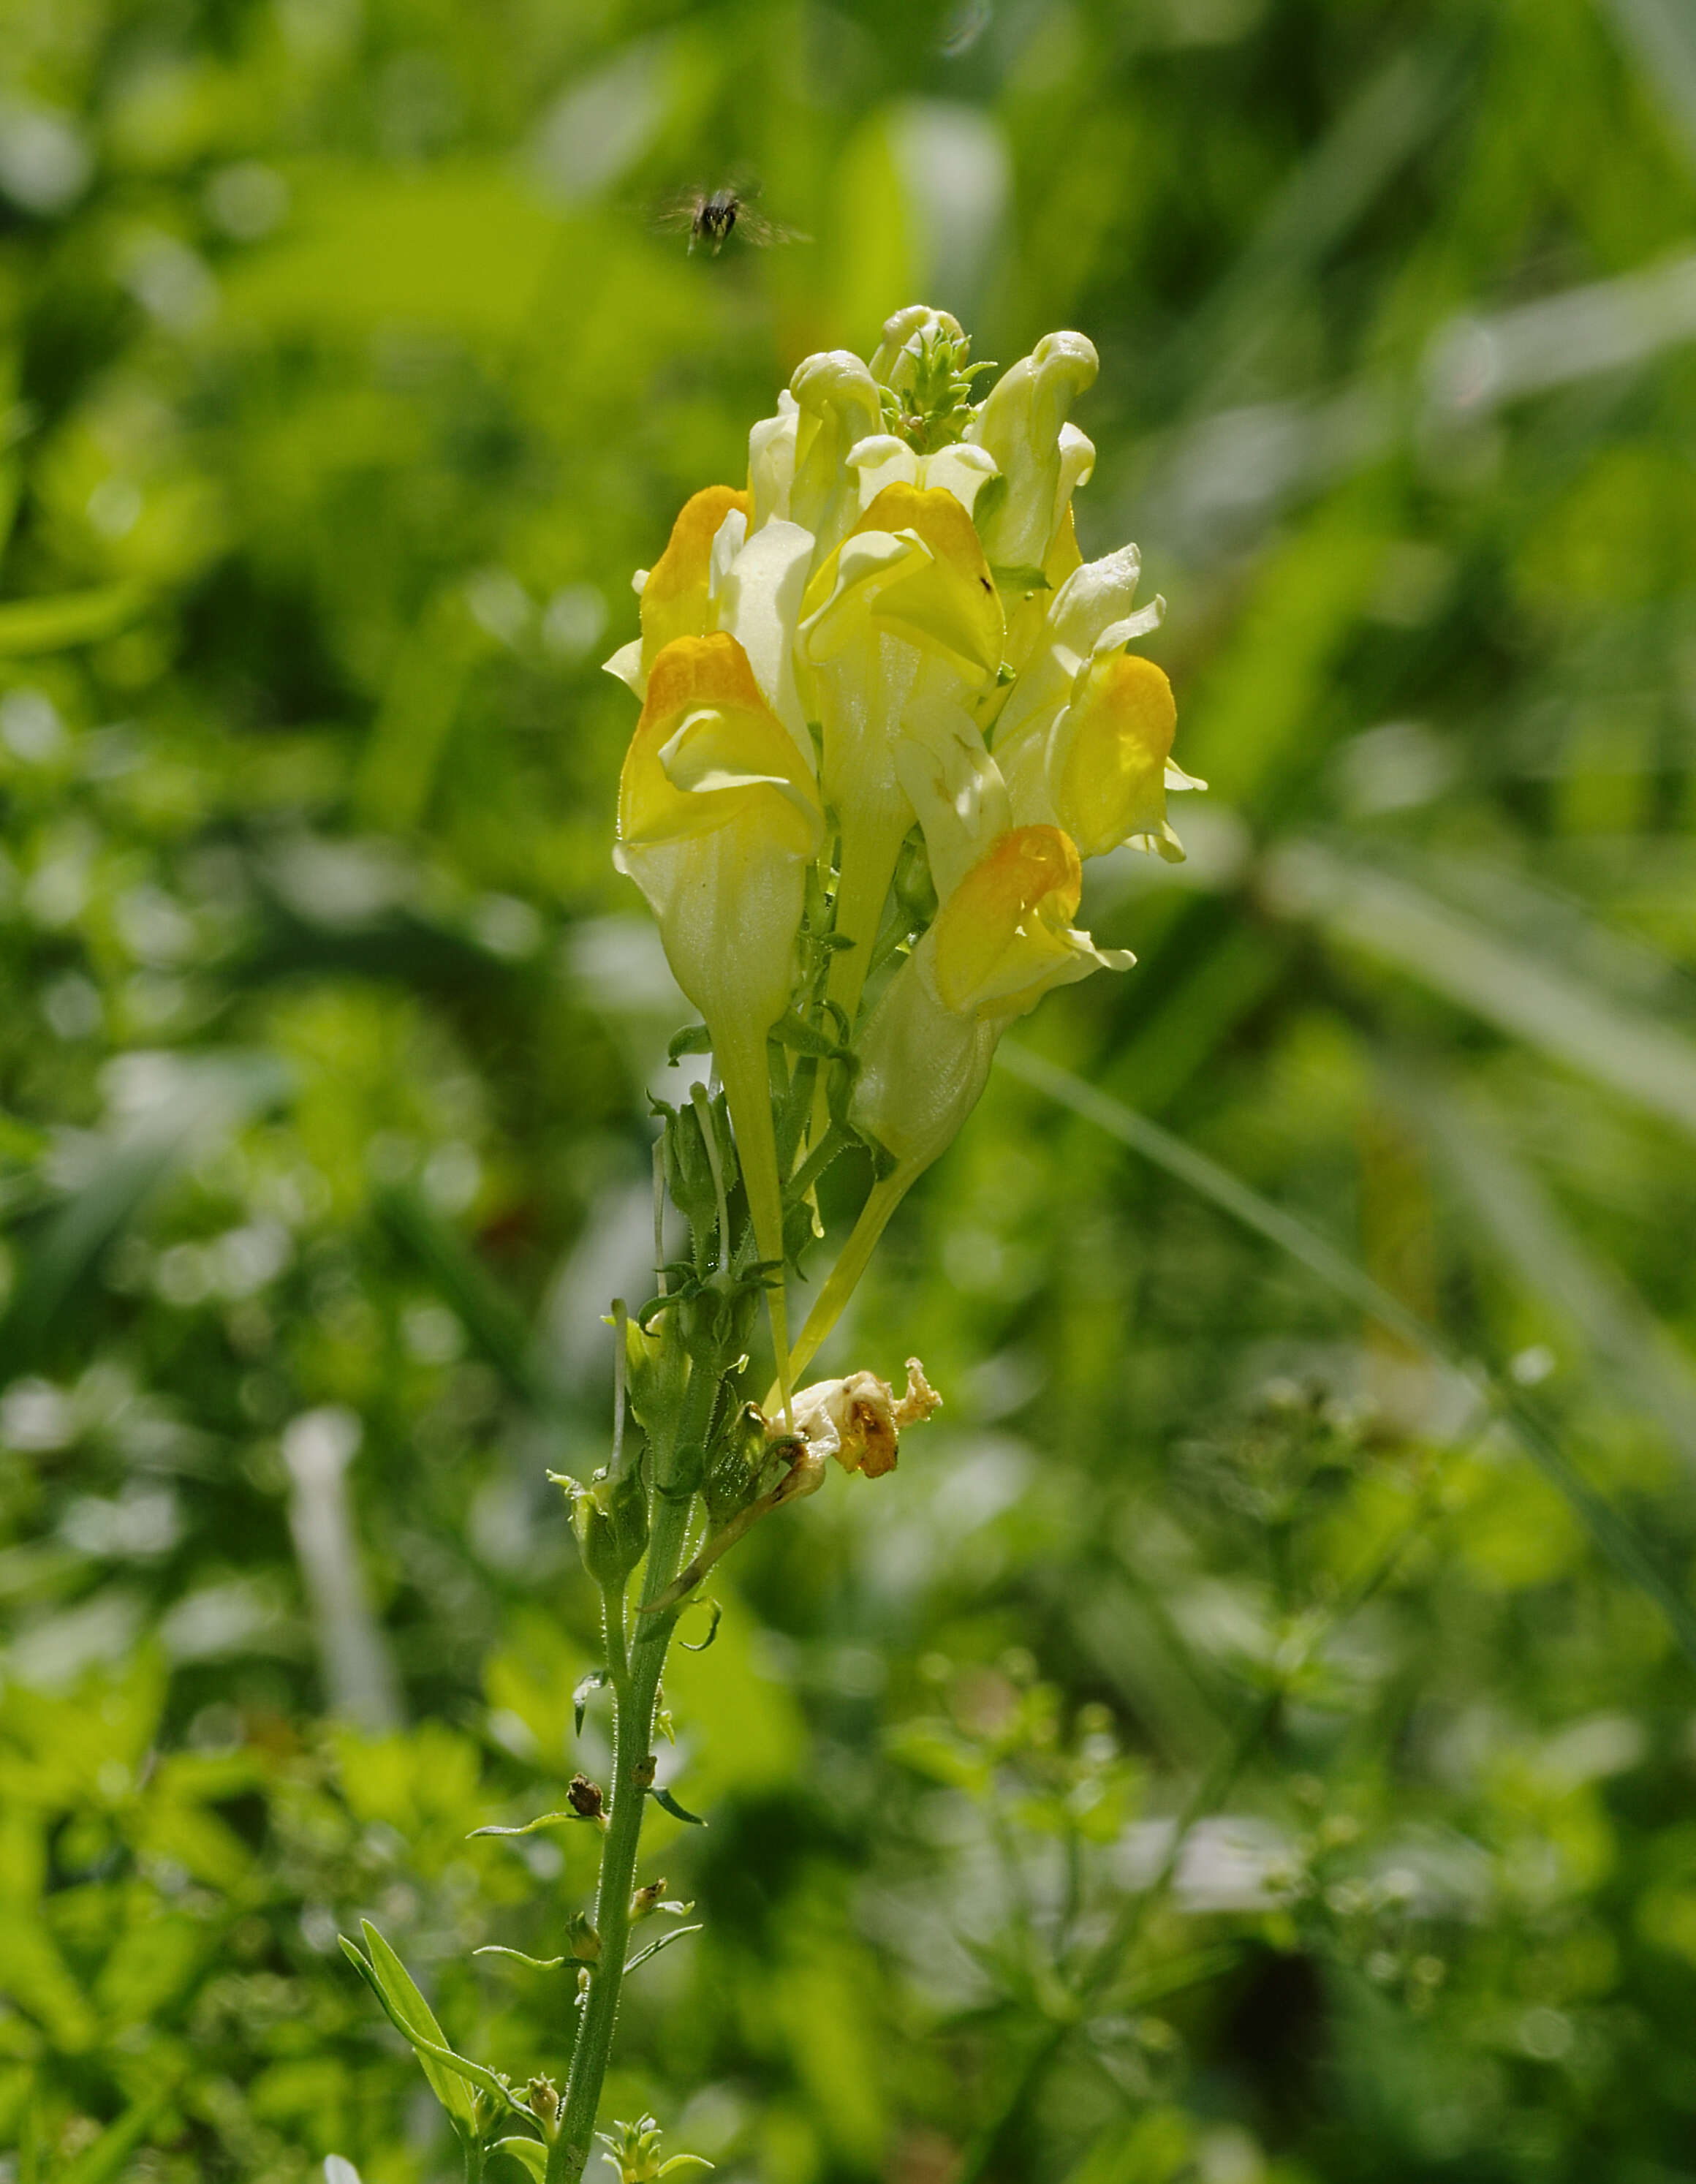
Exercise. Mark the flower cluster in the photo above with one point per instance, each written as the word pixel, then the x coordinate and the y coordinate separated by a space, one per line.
pixel 887 711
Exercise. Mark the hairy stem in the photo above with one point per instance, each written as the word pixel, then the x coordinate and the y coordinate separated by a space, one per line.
pixel 636 1673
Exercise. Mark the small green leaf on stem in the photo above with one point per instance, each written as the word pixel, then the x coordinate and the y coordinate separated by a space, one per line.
pixel 668 1804
pixel 529 1827
pixel 535 1964
pixel 530 2153
pixel 663 1941
pixel 412 2017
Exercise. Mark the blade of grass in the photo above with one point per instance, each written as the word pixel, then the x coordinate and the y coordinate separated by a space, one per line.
pixel 52 624
pixel 489 1316
pixel 1546 1005
pixel 1612 1534
pixel 1511 1205
pixel 138 1159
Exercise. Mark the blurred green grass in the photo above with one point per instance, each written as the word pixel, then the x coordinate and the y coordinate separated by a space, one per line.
pixel 343 383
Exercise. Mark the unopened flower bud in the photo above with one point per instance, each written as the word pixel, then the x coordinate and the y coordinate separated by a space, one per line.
pixel 581 1940
pixel 1023 425
pixel 610 1517
pixel 839 405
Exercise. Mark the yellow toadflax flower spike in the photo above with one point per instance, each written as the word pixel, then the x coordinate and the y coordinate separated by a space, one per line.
pixel 718 819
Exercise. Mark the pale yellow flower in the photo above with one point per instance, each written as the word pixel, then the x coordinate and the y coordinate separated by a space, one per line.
pixel 719 819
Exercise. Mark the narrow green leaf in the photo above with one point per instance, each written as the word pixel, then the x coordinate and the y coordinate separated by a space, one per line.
pixel 488 1315
pixel 413 2018
pixel 800 1037
pixel 529 1828
pixel 99 2162
pixel 66 618
pixel 530 2153
pixel 207 1099
pixel 1543 1002
pixel 663 1941
pixel 1611 1533
pixel 667 1803
pixel 534 1963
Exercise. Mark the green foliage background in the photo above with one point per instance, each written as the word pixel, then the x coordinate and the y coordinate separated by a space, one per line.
pixel 343 383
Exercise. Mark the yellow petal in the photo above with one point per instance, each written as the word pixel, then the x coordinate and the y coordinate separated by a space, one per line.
pixel 1021 423
pixel 674 600
pixel 942 599
pixel 709 752
pixel 771 462
pixel 1004 936
pixel 839 405
pixel 1107 764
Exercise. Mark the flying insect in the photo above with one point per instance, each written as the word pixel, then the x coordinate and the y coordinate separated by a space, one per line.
pixel 711 217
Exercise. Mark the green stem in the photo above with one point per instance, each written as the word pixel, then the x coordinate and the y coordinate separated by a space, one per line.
pixel 636 1674
pixel 851 1263
pixel 474 2157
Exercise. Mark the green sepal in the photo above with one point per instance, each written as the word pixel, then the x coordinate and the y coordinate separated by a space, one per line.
pixel 1023 577
pixel 987 499
pixel 800 1037
pixel 654 1365
pixel 738 1458
pixel 584 1938
pixel 883 1161
pixel 689 1171
pixel 718 1316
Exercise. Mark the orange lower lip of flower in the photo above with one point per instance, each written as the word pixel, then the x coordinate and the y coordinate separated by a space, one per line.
pixel 674 600
pixel 1031 874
